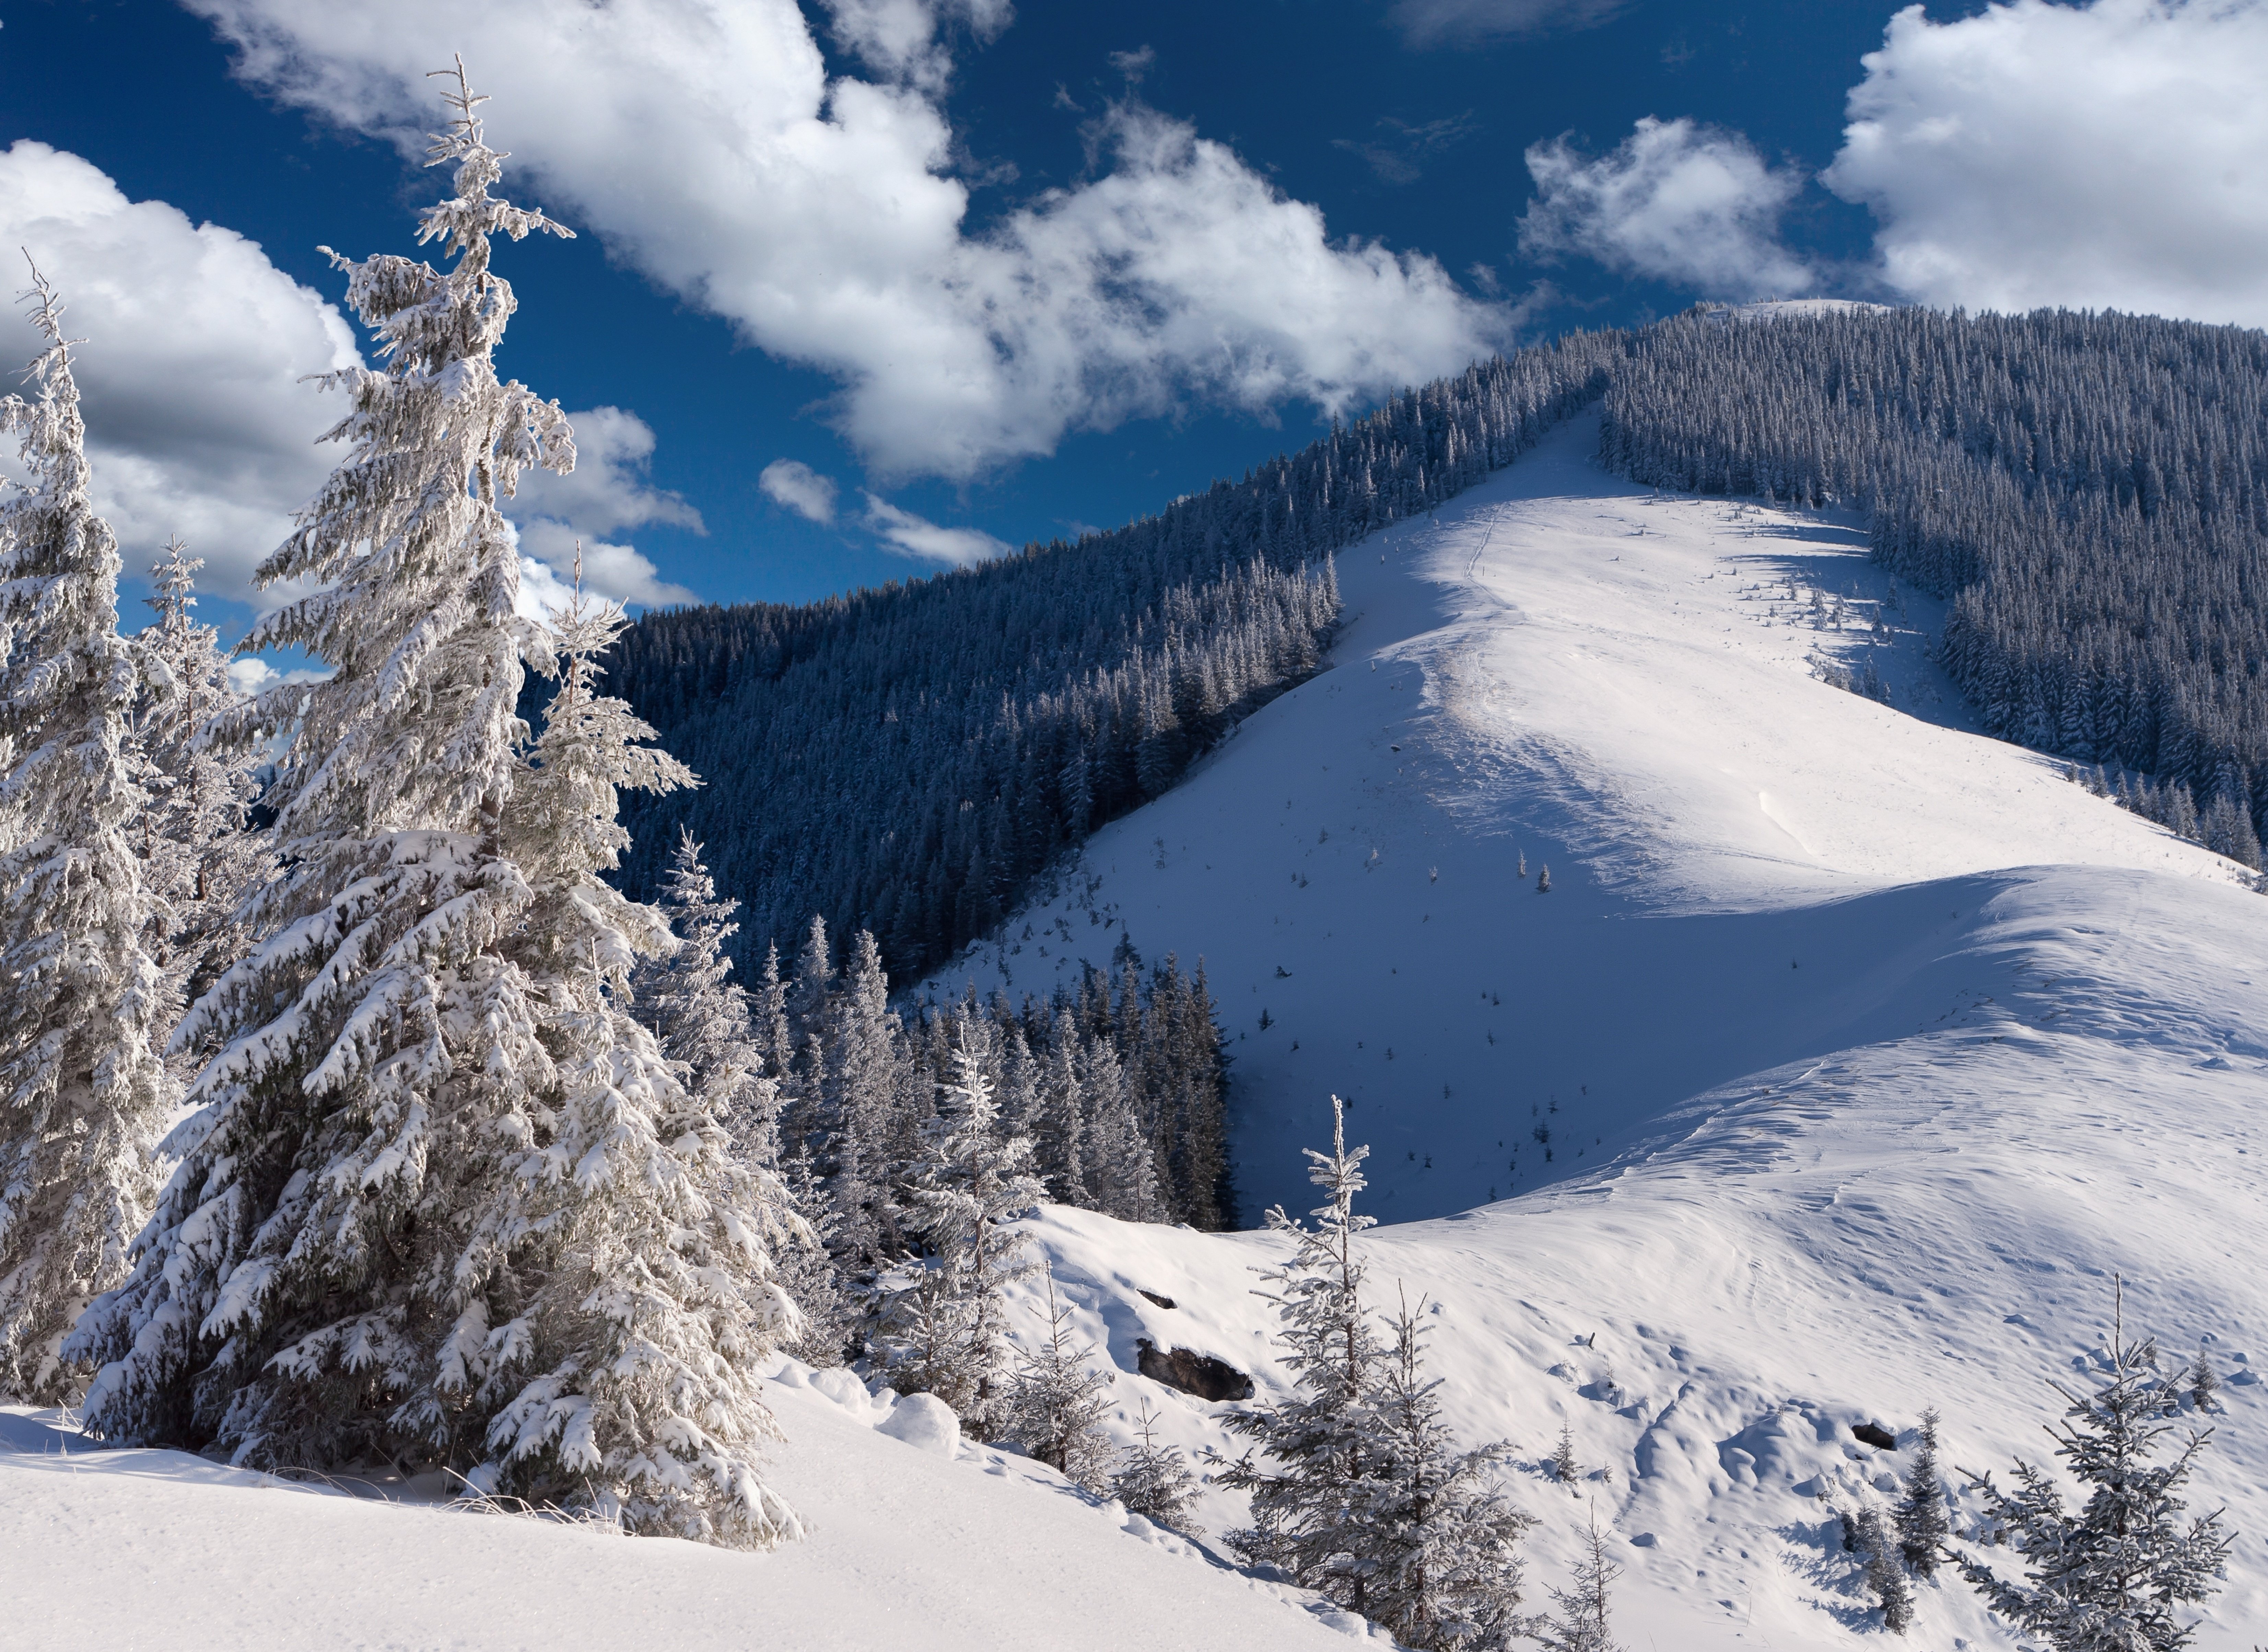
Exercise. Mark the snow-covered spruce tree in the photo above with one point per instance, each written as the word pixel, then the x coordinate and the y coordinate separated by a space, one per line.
pixel 1886 1570
pixel 298 1292
pixel 947 1329
pixel 1581 1623
pixel 200 859
pixel 2204 1383
pixel 1437 1539
pixel 1315 1444
pixel 405 1220
pixel 630 1247
pixel 701 1017
pixel 1154 1481
pixel 1057 1403
pixel 83 1090
pixel 828 1313
pixel 1920 1514
pixel 2111 1575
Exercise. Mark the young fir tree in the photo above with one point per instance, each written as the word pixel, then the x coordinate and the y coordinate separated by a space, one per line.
pixel 949 1327
pixel 199 858
pixel 2204 1383
pixel 828 1313
pixel 1057 1404
pixel 83 1090
pixel 1920 1514
pixel 442 1199
pixel 1438 1539
pixel 632 1247
pixel 701 1017
pixel 1316 1442
pixel 1565 1469
pixel 2111 1575
pixel 1581 1624
pixel 1886 1571
pixel 1154 1481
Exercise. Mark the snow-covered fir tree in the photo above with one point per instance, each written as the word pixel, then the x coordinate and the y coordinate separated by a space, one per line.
pixel 442 1199
pixel 1886 1570
pixel 828 1311
pixel 700 1015
pixel 2113 1575
pixel 1582 1623
pixel 1437 1540
pixel 200 859
pixel 1920 1516
pixel 82 1089
pixel 1315 1444
pixel 1155 1481
pixel 1057 1403
pixel 631 1246
pixel 947 1329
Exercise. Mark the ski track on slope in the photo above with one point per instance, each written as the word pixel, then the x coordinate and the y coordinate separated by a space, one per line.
pixel 1869 1047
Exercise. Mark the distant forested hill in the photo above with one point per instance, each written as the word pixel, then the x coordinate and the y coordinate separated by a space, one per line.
pixel 2091 490
pixel 903 760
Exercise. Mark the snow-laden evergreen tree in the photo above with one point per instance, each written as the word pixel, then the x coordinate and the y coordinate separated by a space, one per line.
pixel 1315 1442
pixel 2112 1575
pixel 1886 1570
pixel 82 1089
pixel 1582 1623
pixel 858 1086
pixel 631 1247
pixel 1057 1403
pixel 1437 1541
pixel 444 1199
pixel 200 859
pixel 1155 1481
pixel 1920 1516
pixel 947 1327
pixel 828 1312
pixel 701 1017
pixel 300 1279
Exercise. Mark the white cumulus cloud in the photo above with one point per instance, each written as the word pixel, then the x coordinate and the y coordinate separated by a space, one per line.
pixel 704 143
pixel 197 422
pixel 2112 154
pixel 1675 200
pixel 792 483
pixel 911 536
pixel 605 493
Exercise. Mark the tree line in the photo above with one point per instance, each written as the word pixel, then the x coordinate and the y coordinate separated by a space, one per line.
pixel 2090 489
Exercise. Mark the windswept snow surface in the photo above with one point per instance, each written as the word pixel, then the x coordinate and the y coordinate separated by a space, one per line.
pixel 1867 1048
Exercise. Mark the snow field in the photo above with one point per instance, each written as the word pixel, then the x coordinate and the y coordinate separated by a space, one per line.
pixel 906 1546
pixel 1867 1048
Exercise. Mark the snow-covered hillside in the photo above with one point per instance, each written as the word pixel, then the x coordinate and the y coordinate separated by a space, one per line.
pixel 1847 1057
pixel 1867 1048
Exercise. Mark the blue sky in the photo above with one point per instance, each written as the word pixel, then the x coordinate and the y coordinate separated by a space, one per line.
pixel 993 275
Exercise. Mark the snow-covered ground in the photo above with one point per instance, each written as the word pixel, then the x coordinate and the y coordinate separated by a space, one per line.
pixel 1868 1048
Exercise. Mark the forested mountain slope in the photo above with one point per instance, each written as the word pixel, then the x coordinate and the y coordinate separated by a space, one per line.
pixel 2091 492
pixel 902 760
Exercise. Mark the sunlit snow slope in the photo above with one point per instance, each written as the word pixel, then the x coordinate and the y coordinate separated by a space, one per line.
pixel 1867 1048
